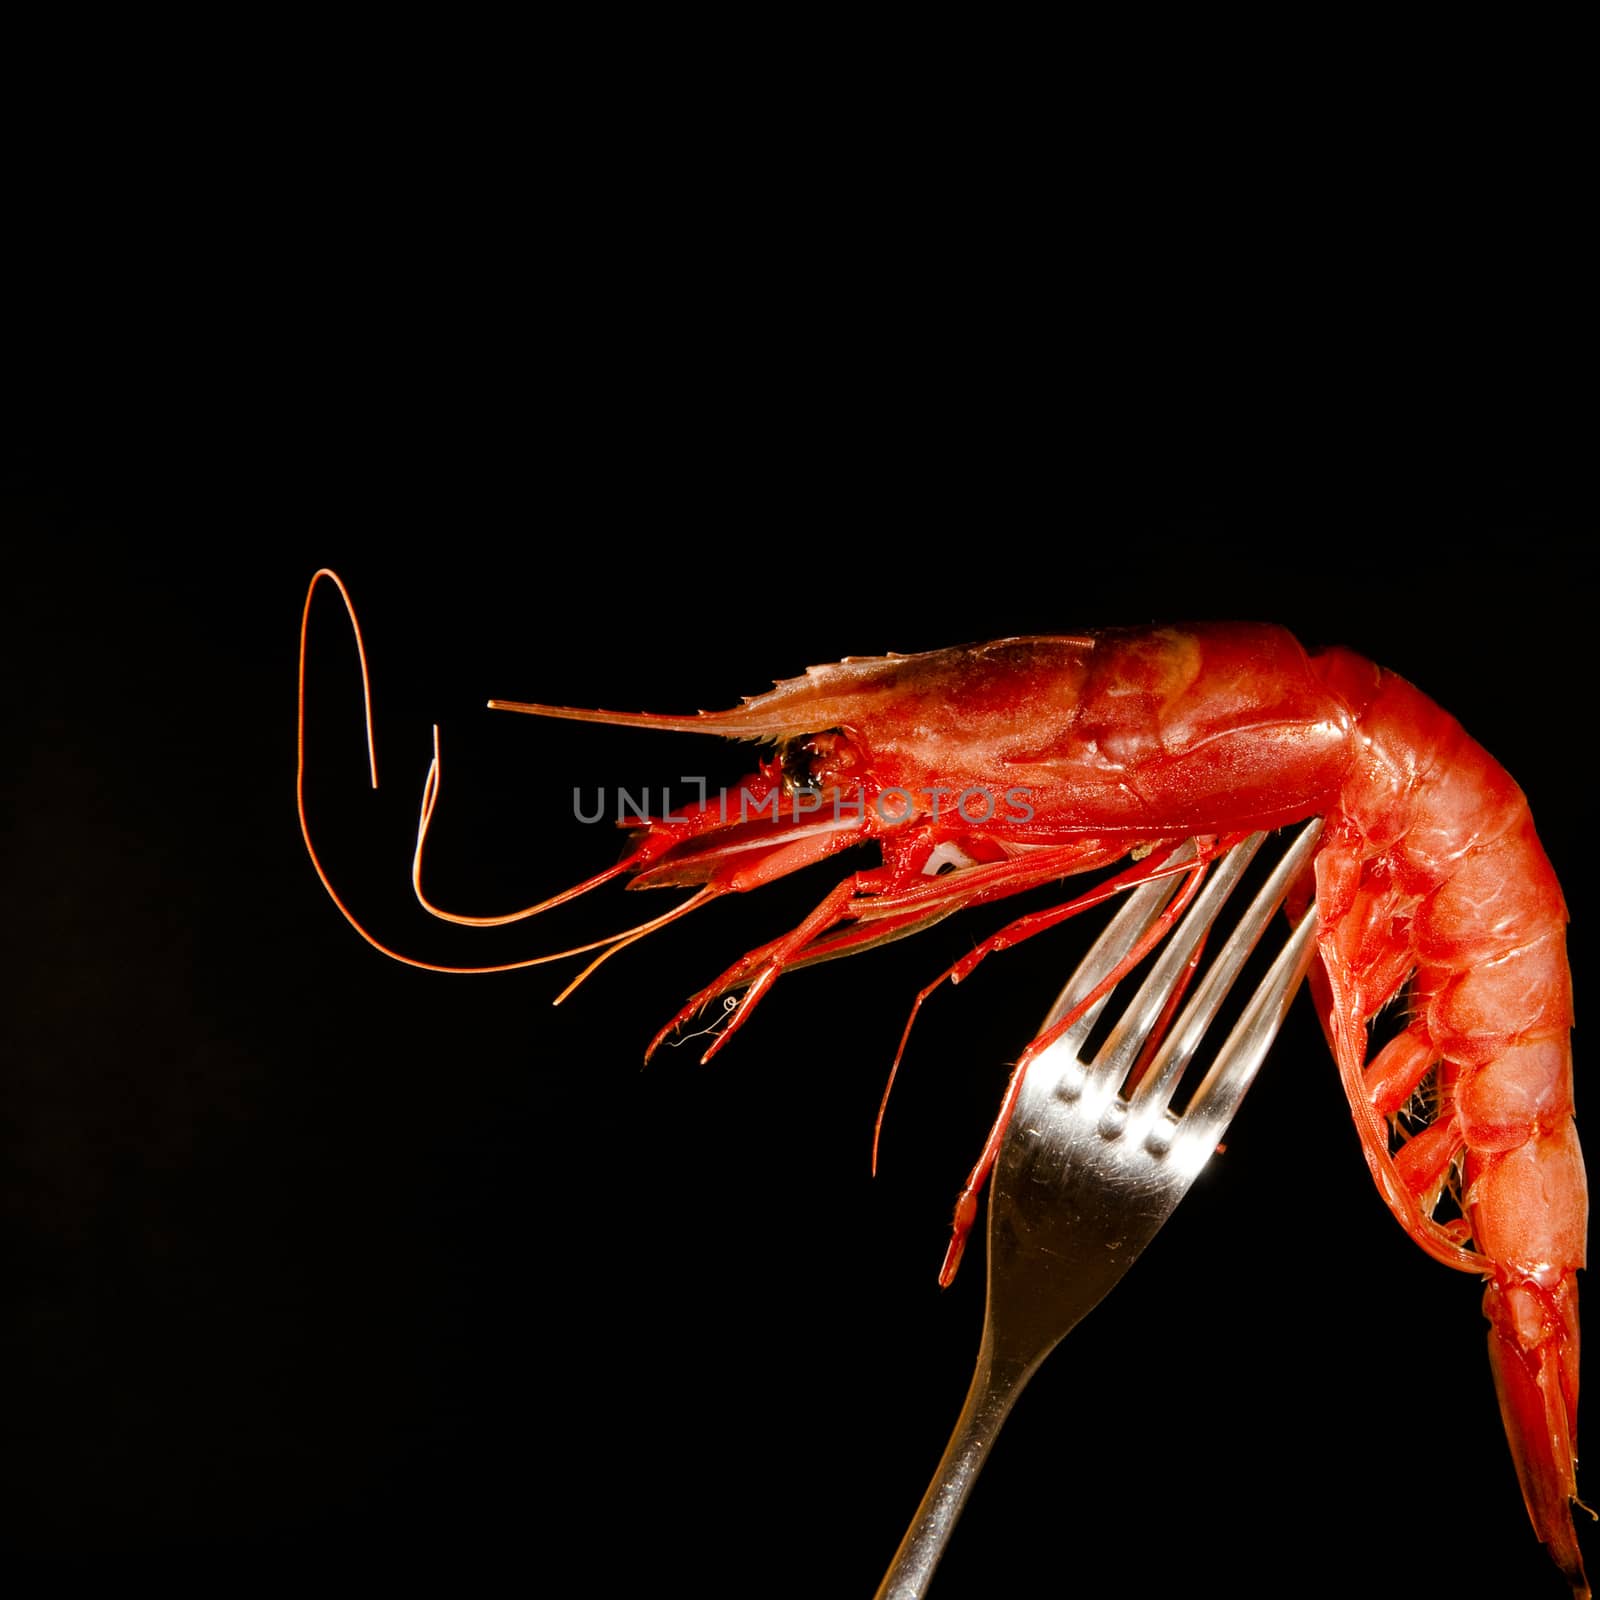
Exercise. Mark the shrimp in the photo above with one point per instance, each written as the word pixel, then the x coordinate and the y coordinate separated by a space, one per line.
pixel 985 770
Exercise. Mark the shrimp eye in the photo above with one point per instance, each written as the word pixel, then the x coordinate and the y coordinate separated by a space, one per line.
pixel 810 763
pixel 794 757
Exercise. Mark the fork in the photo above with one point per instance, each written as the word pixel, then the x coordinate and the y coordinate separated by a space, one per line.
pixel 1087 1175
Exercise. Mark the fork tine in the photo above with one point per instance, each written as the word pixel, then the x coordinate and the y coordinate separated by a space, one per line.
pixel 1138 911
pixel 1132 1028
pixel 1234 1070
pixel 1160 1082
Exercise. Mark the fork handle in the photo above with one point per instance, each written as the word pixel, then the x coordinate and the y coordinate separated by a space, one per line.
pixel 995 1387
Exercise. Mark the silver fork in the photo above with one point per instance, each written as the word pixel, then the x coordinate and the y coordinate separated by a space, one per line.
pixel 1086 1176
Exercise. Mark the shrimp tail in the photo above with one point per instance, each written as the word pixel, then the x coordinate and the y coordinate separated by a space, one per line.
pixel 1527 1204
pixel 1533 1351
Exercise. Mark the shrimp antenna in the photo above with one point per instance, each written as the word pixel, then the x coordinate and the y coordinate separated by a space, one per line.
pixel 610 945
pixel 622 940
pixel 430 799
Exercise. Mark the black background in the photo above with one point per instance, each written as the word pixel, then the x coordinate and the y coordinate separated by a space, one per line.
pixel 321 1265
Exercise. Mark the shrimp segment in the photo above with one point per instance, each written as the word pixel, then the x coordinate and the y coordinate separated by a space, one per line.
pixel 985 770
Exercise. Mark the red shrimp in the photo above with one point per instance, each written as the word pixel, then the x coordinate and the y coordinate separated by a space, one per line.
pixel 985 770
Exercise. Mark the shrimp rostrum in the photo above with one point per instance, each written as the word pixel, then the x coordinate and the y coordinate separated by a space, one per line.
pixel 985 770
